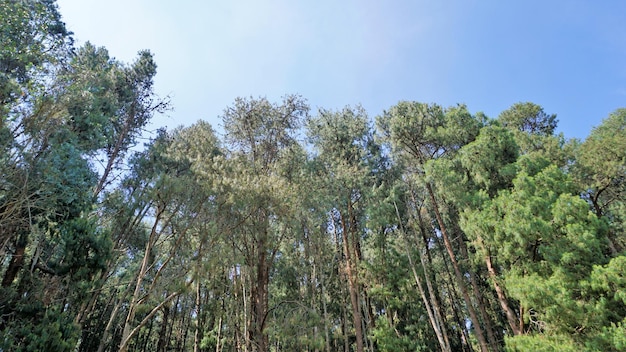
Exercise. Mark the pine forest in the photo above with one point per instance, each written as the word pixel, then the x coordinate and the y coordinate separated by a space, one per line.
pixel 420 228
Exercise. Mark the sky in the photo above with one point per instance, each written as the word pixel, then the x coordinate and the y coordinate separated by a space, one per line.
pixel 568 56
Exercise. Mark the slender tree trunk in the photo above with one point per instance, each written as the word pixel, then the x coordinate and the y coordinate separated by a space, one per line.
pixel 117 148
pixel 146 338
pixel 353 282
pixel 457 271
pixel 218 343
pixel 435 301
pixel 325 310
pixel 197 337
pixel 483 312
pixel 502 299
pixel 479 298
pixel 171 331
pixel 433 314
pixel 246 316
pixel 153 312
pixel 140 275
pixel 142 272
pixel 260 297
pixel 453 300
pixel 312 284
pixel 346 340
pixel 17 260
pixel 163 338
pixel 184 332
pixel 433 321
pixel 436 307
pixel 106 335
pixel 86 310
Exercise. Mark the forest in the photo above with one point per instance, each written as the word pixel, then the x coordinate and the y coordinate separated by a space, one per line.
pixel 423 228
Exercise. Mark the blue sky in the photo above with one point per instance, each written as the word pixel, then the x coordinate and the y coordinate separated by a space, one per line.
pixel 567 56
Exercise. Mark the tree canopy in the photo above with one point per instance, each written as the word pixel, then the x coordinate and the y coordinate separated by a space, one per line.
pixel 422 228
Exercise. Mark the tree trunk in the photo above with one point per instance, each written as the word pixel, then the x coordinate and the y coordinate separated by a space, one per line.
pixel 218 343
pixel 163 340
pixel 142 272
pixel 457 271
pixel 433 314
pixel 433 295
pixel 106 335
pixel 140 275
pixel 453 300
pixel 17 261
pixel 246 316
pixel 197 337
pixel 433 321
pixel 117 148
pixel 479 298
pixel 146 338
pixel 325 310
pixel 259 297
pixel 124 342
pixel 502 299
pixel 353 281
pixel 346 340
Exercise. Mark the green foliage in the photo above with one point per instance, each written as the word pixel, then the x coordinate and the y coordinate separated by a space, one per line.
pixel 345 150
pixel 33 37
pixel 39 329
pixel 260 239
pixel 610 338
pixel 84 249
pixel 489 159
pixel 388 340
pixel 528 118
pixel 600 170
pixel 539 342
pixel 603 152
pixel 342 135
pixel 426 131
pixel 92 81
pixel 67 180
pixel 260 129
pixel 611 278
pixel 400 324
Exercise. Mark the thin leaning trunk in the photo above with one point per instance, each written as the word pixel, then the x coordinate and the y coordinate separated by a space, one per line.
pixel 433 313
pixel 115 153
pixel 142 271
pixel 436 307
pixel 218 343
pixel 502 299
pixel 124 343
pixel 433 321
pixel 106 335
pixel 154 234
pixel 453 299
pixel 457 271
pixel 246 318
pixel 435 302
pixel 481 306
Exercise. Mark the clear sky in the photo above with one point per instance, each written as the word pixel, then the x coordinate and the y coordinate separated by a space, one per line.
pixel 568 56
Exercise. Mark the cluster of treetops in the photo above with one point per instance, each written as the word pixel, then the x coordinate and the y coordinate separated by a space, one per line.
pixel 426 228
